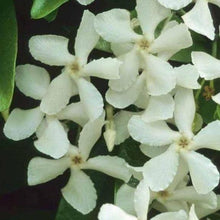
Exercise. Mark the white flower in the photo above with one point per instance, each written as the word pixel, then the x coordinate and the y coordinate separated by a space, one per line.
pixel 199 18
pixel 33 81
pixel 176 197
pixel 161 170
pixel 53 50
pixel 140 203
pixel 208 68
pixel 139 49
pixel 79 191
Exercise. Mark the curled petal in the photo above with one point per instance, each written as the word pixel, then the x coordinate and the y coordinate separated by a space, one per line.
pixel 115 27
pixel 41 170
pixel 50 49
pixel 22 124
pixel 199 19
pixel 32 80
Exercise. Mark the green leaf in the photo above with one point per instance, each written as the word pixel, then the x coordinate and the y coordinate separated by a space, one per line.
pixel 130 151
pixel 8 52
pixel 42 8
pixel 52 16
pixel 103 45
pixel 200 43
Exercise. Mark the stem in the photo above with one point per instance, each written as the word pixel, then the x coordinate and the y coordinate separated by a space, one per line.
pixel 214 54
pixel 109 112
pixel 200 90
pixel 181 12
pixel 167 21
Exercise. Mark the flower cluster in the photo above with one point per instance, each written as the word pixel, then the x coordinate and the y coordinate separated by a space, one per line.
pixel 148 99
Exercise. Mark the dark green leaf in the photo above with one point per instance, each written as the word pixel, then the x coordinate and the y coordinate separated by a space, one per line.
pixel 8 52
pixel 42 8
pixel 52 16
pixel 103 46
pixel 130 151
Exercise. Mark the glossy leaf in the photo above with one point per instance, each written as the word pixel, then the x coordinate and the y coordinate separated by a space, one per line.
pixel 8 52
pixel 42 8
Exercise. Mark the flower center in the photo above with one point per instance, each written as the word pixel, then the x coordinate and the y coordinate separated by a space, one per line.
pixel 143 44
pixel 74 67
pixel 163 194
pixel 76 160
pixel 184 143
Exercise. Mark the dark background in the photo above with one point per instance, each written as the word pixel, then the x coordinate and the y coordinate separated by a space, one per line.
pixel 17 200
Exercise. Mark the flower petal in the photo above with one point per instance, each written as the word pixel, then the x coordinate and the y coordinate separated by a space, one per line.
pixel 121 48
pixel 125 98
pixel 85 2
pixel 187 76
pixel 204 174
pixel 159 71
pixel 190 195
pixel 141 200
pixel 89 135
pixel 147 10
pixel 105 68
pixel 152 151
pixel 22 124
pixel 128 72
pixel 184 114
pixel 208 137
pixel 192 213
pixel 121 120
pixel 50 49
pixel 115 26
pixel 111 165
pixel 181 179
pixel 161 170
pixel 54 141
pixel 90 98
pixel 175 5
pixel 171 43
pixel 86 37
pixel 125 199
pixel 201 212
pixel 42 170
pixel 180 215
pixel 109 212
pixel 207 65
pixel 216 98
pixel 154 134
pixel 33 81
pixel 80 192
pixel 199 19
pixel 74 112
pixel 58 94
pixel 159 108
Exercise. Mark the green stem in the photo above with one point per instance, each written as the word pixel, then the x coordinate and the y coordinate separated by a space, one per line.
pixel 167 21
pixel 214 54
pixel 200 90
